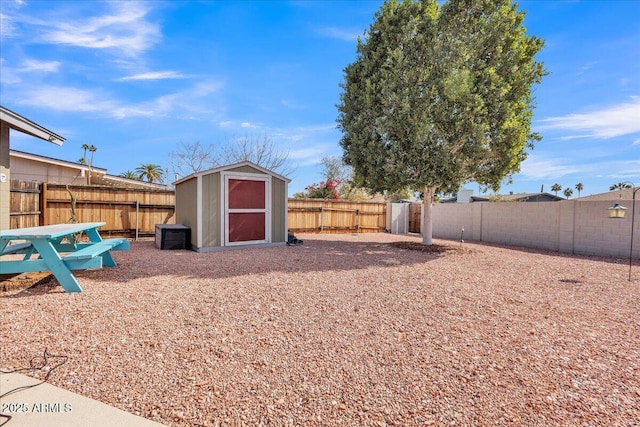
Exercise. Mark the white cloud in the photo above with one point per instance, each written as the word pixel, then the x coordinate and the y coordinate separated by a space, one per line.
pixel 315 152
pixel 610 122
pixel 293 105
pixel 125 29
pixel 7 26
pixel 306 134
pixel 8 75
pixel 248 125
pixel 33 65
pixel 60 98
pixel 185 104
pixel 348 35
pixel 192 103
pixel 154 75
pixel 537 168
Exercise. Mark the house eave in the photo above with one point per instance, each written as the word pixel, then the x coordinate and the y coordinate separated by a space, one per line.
pixel 22 124
pixel 58 162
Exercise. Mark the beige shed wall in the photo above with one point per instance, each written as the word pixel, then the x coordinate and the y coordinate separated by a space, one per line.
pixel 211 223
pixel 245 169
pixel 278 210
pixel 187 207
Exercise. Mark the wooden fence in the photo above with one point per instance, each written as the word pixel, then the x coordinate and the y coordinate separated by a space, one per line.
pixel 127 212
pixel 135 212
pixel 336 216
pixel 24 204
pixel 415 217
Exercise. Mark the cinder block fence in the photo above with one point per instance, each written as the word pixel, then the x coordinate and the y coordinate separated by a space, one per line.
pixel 571 226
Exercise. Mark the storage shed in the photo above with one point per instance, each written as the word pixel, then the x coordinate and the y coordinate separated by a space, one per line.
pixel 231 206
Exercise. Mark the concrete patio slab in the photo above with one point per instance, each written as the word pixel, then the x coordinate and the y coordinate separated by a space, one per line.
pixel 47 405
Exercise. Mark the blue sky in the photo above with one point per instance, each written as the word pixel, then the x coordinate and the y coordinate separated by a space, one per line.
pixel 137 78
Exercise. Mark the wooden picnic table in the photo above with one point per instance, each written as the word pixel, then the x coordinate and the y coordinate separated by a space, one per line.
pixel 56 248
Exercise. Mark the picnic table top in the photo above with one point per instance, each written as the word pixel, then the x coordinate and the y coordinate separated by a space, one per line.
pixel 48 231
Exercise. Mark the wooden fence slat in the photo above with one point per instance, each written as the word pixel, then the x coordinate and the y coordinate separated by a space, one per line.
pixel 115 206
pixel 331 216
pixel 24 205
pixel 34 204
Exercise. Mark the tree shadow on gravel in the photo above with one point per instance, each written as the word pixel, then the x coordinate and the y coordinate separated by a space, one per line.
pixel 552 252
pixel 318 253
pixel 145 261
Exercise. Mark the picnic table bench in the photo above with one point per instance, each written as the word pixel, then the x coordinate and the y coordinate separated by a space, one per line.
pixel 57 250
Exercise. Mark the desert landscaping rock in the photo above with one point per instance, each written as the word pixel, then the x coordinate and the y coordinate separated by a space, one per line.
pixel 326 334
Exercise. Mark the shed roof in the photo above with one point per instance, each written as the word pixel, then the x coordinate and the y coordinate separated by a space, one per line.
pixel 233 166
pixel 22 124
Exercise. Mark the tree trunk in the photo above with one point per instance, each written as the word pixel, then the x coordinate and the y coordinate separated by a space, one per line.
pixel 427 225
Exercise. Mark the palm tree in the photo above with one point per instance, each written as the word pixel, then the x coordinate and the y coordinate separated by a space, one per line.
pixel 579 187
pixel 556 188
pixel 568 192
pixel 619 186
pixel 92 149
pixel 130 175
pixel 85 147
pixel 151 172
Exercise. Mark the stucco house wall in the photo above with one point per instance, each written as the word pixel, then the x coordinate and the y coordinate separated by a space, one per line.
pixel 11 120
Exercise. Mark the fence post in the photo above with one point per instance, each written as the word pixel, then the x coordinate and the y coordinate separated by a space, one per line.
pixel 321 215
pixel 357 220
pixel 42 201
pixel 137 213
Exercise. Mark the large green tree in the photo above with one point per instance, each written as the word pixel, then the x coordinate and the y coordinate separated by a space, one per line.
pixel 439 96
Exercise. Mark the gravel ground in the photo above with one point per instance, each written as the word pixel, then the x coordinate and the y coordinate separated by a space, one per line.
pixel 344 330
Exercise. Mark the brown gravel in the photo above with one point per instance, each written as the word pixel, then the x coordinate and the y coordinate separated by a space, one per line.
pixel 344 330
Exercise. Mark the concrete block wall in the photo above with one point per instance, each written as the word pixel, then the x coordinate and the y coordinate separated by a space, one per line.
pixel 580 227
pixel 451 218
pixel 599 235
pixel 521 225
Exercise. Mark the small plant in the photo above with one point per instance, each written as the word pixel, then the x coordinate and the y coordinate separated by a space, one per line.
pixel 324 190
pixel 73 220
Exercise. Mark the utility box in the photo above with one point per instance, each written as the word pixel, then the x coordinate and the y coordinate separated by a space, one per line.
pixel 172 236
pixel 398 218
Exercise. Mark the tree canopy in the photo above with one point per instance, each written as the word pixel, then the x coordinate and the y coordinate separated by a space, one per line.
pixel 192 158
pixel 439 96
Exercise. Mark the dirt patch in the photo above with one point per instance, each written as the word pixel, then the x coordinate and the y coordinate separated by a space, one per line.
pixel 434 248
pixel 13 284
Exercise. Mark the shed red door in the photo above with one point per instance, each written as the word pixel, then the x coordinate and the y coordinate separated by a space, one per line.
pixel 246 210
